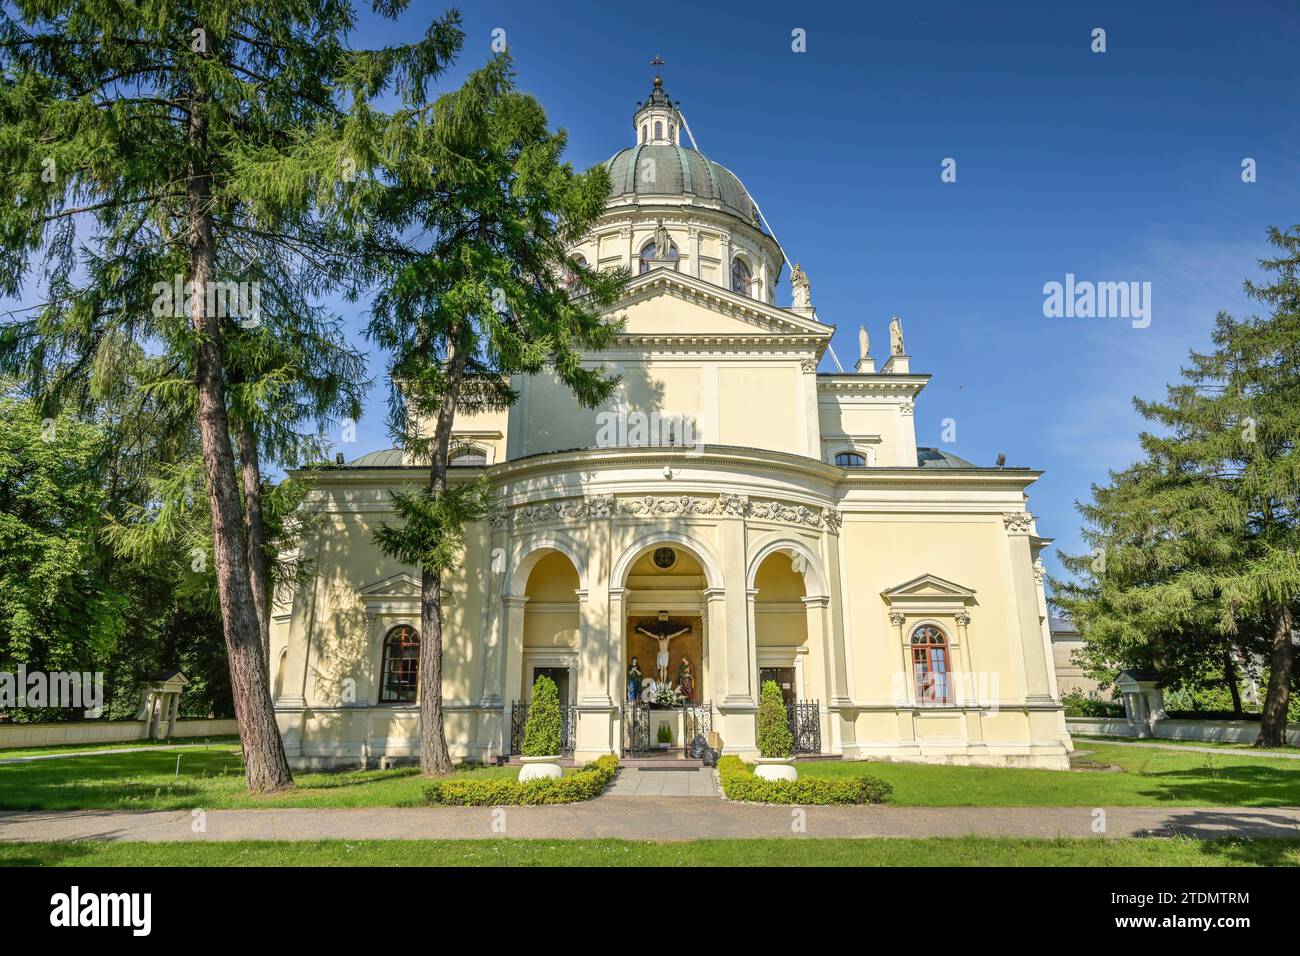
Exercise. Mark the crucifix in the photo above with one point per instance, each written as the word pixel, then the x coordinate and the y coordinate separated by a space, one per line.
pixel 657 62
pixel 663 637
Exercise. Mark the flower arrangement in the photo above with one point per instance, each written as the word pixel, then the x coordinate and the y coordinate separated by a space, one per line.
pixel 667 697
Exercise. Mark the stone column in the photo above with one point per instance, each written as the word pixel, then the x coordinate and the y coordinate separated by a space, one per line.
pixel 173 712
pixel 617 627
pixel 974 715
pixel 514 615
pixel 816 612
pixel 595 707
pixel 1038 687
pixel 903 687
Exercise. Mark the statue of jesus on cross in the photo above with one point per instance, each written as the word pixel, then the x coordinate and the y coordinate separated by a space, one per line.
pixel 663 638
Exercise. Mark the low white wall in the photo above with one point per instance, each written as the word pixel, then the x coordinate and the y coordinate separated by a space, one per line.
pixel 1213 731
pixel 103 732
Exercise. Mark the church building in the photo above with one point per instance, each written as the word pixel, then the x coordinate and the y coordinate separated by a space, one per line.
pixel 734 515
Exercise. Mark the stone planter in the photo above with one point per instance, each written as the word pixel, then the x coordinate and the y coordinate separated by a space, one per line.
pixel 776 768
pixel 537 768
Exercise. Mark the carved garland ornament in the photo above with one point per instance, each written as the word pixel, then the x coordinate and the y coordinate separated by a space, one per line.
pixel 650 506
pixel 1018 522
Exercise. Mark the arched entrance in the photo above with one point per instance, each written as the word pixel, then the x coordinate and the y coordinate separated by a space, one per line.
pixel 661 614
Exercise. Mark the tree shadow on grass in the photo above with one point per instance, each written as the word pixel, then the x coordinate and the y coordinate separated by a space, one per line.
pixel 116 781
pixel 1237 785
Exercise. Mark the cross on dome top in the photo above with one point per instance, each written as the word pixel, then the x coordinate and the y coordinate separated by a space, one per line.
pixel 657 120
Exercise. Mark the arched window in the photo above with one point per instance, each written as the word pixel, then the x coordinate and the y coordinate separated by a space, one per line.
pixel 851 459
pixel 650 256
pixel 399 675
pixel 741 278
pixel 644 132
pixel 931 665
pixel 468 456
pixel 659 129
pixel 572 280
pixel 672 132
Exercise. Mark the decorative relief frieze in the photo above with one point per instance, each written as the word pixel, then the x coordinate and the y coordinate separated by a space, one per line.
pixel 1018 522
pixel 724 505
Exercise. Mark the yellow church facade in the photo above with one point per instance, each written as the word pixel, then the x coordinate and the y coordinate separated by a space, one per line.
pixel 732 516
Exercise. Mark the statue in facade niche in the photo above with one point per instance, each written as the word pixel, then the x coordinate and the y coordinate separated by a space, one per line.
pixel 896 336
pixel 686 680
pixel 799 287
pixel 663 242
pixel 633 681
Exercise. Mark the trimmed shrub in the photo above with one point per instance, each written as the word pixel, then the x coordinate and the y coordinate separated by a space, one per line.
pixel 1078 704
pixel 586 784
pixel 774 737
pixel 544 730
pixel 740 783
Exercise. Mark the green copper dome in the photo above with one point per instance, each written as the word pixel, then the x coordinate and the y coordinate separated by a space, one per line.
pixel 666 169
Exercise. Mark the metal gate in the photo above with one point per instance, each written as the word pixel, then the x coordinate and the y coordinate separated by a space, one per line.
pixel 636 729
pixel 519 720
pixel 806 727
pixel 697 723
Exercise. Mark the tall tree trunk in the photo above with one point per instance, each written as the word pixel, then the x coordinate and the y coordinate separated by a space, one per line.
pixel 265 765
pixel 435 758
pixel 259 566
pixel 1230 678
pixel 1272 724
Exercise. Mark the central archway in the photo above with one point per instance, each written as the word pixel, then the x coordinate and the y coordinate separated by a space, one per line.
pixel 660 594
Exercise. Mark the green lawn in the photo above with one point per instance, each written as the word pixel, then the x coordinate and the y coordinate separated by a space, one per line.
pixel 1148 778
pixel 118 745
pixel 965 851
pixel 211 778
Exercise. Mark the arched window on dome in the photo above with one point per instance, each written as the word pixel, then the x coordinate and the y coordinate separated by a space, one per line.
pixel 573 281
pixel 399 675
pixel 742 280
pixel 851 459
pixel 651 257
pixel 672 132
pixel 659 129
pixel 931 665
pixel 644 132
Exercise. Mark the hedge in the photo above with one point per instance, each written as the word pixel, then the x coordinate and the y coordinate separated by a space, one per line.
pixel 740 783
pixel 587 784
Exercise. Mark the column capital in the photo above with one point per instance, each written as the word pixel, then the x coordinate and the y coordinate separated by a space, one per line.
pixel 897 618
pixel 817 600
pixel 514 600
pixel 962 618
pixel 714 594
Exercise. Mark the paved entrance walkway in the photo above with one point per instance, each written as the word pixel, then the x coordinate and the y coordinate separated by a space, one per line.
pixel 646 818
pixel 664 783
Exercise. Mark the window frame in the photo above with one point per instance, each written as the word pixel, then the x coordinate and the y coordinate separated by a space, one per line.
pixel 409 664
pixel 850 453
pixel 927 652
pixel 748 291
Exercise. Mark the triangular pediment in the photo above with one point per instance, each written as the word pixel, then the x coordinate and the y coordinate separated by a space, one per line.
pixel 400 585
pixel 666 303
pixel 929 586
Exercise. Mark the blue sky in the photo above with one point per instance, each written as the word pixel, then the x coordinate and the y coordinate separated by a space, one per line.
pixel 1115 166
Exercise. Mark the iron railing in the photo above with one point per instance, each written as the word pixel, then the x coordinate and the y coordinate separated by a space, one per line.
pixel 806 726
pixel 519 719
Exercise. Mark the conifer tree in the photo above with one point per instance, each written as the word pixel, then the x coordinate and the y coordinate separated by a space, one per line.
pixel 489 292
pixel 1197 547
pixel 157 155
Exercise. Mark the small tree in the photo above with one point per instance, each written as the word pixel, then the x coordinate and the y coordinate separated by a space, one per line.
pixel 774 737
pixel 542 733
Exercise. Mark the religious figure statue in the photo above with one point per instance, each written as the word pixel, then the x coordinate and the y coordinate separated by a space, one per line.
pixel 633 681
pixel 864 343
pixel 686 680
pixel 663 242
pixel 799 287
pixel 663 638
pixel 896 336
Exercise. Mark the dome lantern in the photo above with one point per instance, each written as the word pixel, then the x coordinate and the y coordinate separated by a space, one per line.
pixel 657 120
